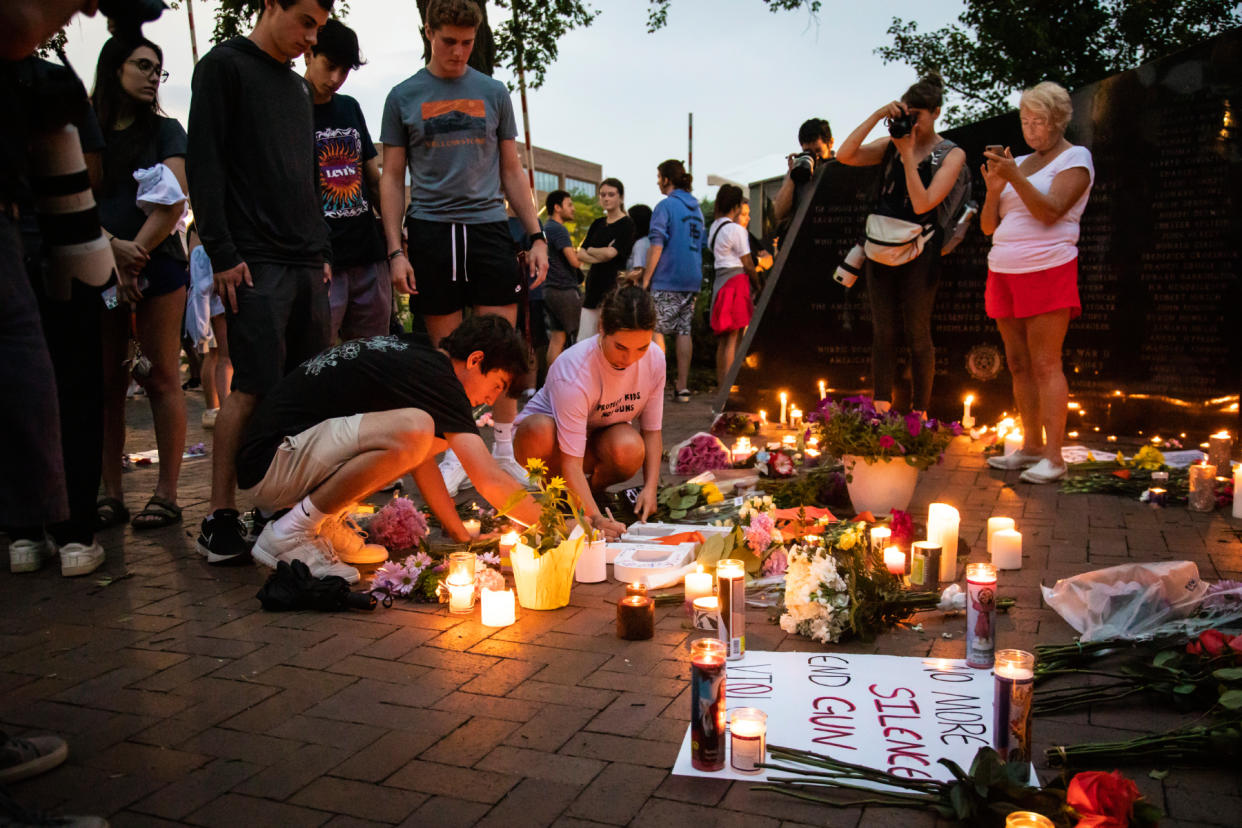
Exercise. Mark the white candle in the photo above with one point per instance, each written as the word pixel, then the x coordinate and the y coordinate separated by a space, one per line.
pixel 823 389
pixel 473 526
pixel 498 608
pixel 741 450
pixel 763 417
pixel 995 524
pixel 748 730
pixel 461 597
pixel 1006 547
pixel 784 402
pixel 967 420
pixel 1013 442
pixel 592 566
pixel 1237 492
pixel 942 525
pixel 795 416
pixel 879 539
pixel 895 561
pixel 507 541
pixel 698 585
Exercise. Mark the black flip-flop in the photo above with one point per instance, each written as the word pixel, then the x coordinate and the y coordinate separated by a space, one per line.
pixel 158 513
pixel 109 512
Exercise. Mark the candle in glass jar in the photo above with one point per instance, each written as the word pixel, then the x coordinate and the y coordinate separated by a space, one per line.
pixel 1158 498
pixel 789 441
pixel 1006 549
pixel 942 525
pixel 1027 819
pixel 895 561
pixel 461 596
pixel 698 585
pixel 925 564
pixel 637 588
pixel 635 618
pixel 460 581
pixel 705 618
pixel 498 608
pixel 1015 684
pixel 731 578
pixel 1202 497
pixel 880 539
pixel 980 614
pixel 784 409
pixel 507 541
pixel 473 527
pixel 741 450
pixel 707 704
pixel 1220 450
pixel 748 742
pixel 795 417
pixel 995 524
pixel 763 417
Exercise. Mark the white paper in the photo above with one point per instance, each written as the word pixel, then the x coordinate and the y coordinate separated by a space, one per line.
pixel 892 713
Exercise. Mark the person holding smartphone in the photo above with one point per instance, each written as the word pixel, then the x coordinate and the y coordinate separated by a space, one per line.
pixel 1032 211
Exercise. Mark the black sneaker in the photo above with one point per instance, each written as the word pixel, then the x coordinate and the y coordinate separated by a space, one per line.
pixel 222 539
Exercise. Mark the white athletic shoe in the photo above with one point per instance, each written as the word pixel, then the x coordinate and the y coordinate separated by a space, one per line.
pixel 346 539
pixel 311 549
pixel 1044 472
pixel 28 555
pixel 80 559
pixel 509 465
pixel 209 418
pixel 454 473
pixel 1015 461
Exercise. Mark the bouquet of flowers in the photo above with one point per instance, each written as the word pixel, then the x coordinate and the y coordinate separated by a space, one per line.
pixel 420 577
pixel 399 525
pixel 853 426
pixel 836 588
pixel 735 424
pixel 675 502
pixel 700 453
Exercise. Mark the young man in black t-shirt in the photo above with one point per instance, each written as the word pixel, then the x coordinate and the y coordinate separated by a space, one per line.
pixel 364 413
pixel 347 173
pixel 561 298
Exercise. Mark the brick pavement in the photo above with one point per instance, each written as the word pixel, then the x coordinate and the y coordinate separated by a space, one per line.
pixel 184 703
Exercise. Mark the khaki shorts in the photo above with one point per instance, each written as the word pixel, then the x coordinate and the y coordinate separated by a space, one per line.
pixel 305 460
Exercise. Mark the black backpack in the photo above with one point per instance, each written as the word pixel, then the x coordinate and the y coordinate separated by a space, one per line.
pixel 952 216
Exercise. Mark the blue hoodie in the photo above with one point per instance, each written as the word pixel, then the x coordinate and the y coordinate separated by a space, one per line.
pixel 677 226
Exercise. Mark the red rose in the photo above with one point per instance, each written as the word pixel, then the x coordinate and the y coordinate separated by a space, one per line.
pixel 1235 644
pixel 1102 800
pixel 1214 642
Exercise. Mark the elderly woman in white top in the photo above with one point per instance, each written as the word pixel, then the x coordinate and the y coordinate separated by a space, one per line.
pixel 1033 206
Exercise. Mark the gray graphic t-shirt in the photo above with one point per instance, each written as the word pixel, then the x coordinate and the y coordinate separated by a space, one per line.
pixel 451 129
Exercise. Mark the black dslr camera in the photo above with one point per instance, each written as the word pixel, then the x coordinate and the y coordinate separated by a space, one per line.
pixel 900 126
pixel 803 166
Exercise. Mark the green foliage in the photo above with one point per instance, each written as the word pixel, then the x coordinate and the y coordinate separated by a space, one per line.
pixel 527 42
pixel 657 10
pixel 237 17
pixel 586 210
pixel 998 47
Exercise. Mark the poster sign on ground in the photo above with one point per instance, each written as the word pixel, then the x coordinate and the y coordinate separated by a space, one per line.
pixel 892 713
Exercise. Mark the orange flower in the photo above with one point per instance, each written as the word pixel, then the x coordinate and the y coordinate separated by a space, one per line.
pixel 1102 800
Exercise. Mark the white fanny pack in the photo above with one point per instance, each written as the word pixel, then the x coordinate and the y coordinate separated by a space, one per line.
pixel 893 241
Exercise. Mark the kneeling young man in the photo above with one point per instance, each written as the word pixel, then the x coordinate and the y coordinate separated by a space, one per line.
pixel 361 415
pixel 579 422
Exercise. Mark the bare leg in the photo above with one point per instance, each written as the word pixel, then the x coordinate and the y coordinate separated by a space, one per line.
pixel 1044 335
pixel 391 443
pixel 234 412
pixel 159 334
pixel 224 365
pixel 210 398
pixel 556 344
pixel 684 345
pixel 618 451
pixel 115 382
pixel 1025 390
pixel 658 339
pixel 726 348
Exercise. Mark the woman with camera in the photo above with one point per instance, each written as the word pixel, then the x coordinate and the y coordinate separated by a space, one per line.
pixel 1033 206
pixel 152 269
pixel 919 170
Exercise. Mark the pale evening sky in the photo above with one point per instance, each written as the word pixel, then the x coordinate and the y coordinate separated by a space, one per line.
pixel 619 96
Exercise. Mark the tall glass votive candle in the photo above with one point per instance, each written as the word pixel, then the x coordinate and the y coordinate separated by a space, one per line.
pixel 460 582
pixel 748 739
pixel 1202 497
pixel 980 614
pixel 635 618
pixel 924 564
pixel 705 619
pixel 731 579
pixel 1015 685
pixel 707 704
pixel 1220 450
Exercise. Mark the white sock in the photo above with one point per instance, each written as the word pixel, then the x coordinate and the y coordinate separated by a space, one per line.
pixel 303 518
pixel 502 440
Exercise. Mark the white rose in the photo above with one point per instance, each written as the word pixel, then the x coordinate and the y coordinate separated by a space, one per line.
pixel 788 624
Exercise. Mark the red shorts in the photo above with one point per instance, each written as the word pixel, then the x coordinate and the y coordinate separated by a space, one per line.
pixel 1022 295
pixel 733 307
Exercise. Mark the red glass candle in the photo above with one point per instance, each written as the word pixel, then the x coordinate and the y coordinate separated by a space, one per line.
pixel 707 704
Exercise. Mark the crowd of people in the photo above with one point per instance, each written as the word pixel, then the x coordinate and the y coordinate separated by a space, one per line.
pixel 299 241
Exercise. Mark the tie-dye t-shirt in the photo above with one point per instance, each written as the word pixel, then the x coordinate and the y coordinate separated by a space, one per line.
pixel 342 148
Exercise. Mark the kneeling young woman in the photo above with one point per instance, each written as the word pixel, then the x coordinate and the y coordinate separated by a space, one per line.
pixel 582 421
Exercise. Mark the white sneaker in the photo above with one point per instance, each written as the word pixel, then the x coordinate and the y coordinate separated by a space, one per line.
pixel 454 473
pixel 209 418
pixel 1043 472
pixel 80 559
pixel 346 539
pixel 311 549
pixel 28 555
pixel 1015 461
pixel 509 465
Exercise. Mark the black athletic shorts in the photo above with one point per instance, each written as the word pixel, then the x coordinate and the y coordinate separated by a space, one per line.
pixel 281 322
pixel 458 266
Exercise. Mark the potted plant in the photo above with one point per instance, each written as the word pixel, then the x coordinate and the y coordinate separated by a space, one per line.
pixel 883 452
pixel 544 559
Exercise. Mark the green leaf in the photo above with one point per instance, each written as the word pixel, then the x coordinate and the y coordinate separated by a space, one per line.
pixel 1185 689
pixel 1228 673
pixel 710 551
pixel 1231 699
pixel 1158 774
pixel 1163 658
pixel 677 514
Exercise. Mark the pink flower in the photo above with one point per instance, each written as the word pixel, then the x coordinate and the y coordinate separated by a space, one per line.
pixel 914 424
pixel 887 441
pixel 759 533
pixel 776 563
pixel 399 525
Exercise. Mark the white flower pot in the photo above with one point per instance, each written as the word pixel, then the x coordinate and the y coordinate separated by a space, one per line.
pixel 879 486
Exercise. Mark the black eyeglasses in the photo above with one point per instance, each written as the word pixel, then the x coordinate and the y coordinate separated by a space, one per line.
pixel 148 68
